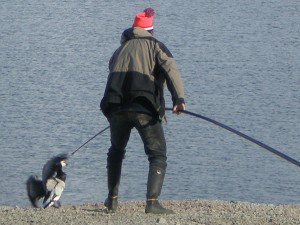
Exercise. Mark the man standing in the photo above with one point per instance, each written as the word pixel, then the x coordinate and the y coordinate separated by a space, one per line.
pixel 134 98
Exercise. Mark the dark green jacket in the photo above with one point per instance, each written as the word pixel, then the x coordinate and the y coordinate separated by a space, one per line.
pixel 139 68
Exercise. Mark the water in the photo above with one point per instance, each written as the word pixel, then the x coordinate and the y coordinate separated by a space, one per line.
pixel 240 65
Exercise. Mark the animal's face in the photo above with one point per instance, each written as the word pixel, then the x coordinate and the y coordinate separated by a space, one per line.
pixel 63 163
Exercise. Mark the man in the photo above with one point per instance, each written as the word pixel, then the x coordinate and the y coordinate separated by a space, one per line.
pixel 133 98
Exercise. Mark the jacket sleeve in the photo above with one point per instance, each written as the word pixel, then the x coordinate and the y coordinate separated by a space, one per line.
pixel 168 65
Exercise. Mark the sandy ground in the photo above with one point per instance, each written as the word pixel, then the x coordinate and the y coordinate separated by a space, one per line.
pixel 187 212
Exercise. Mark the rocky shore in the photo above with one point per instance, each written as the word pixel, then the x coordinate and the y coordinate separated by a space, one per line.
pixel 188 212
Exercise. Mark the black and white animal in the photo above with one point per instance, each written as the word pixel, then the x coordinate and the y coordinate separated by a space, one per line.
pixel 52 184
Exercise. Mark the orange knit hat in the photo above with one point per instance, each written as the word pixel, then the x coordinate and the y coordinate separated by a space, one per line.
pixel 144 19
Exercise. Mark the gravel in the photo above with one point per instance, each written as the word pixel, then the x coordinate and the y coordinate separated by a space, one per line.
pixel 188 212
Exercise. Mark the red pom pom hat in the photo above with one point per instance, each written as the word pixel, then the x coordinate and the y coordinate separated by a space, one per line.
pixel 144 19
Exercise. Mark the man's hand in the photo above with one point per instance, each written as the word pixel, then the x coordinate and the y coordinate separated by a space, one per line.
pixel 178 108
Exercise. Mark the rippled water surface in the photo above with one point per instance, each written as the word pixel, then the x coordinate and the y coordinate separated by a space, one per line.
pixel 240 65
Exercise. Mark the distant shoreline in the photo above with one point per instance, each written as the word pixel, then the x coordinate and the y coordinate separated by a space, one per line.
pixel 132 212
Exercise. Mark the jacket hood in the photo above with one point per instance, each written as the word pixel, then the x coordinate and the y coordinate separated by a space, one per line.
pixel 133 33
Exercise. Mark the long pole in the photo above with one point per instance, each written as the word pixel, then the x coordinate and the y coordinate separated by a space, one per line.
pixel 276 152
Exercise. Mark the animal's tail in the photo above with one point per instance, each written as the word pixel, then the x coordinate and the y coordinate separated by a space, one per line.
pixel 35 190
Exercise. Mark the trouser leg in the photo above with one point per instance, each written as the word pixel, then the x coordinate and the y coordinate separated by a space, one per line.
pixel 120 133
pixel 152 134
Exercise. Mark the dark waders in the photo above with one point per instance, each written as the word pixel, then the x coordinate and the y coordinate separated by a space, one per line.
pixel 151 132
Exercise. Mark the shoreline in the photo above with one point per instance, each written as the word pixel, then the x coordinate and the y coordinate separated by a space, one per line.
pixel 188 212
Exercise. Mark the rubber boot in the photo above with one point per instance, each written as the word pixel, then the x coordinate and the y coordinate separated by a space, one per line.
pixel 113 182
pixel 155 181
pixel 111 203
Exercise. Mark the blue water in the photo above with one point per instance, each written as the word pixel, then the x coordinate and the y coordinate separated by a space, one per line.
pixel 240 64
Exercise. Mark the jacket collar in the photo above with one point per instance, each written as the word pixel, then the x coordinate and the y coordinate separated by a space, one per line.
pixel 134 33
